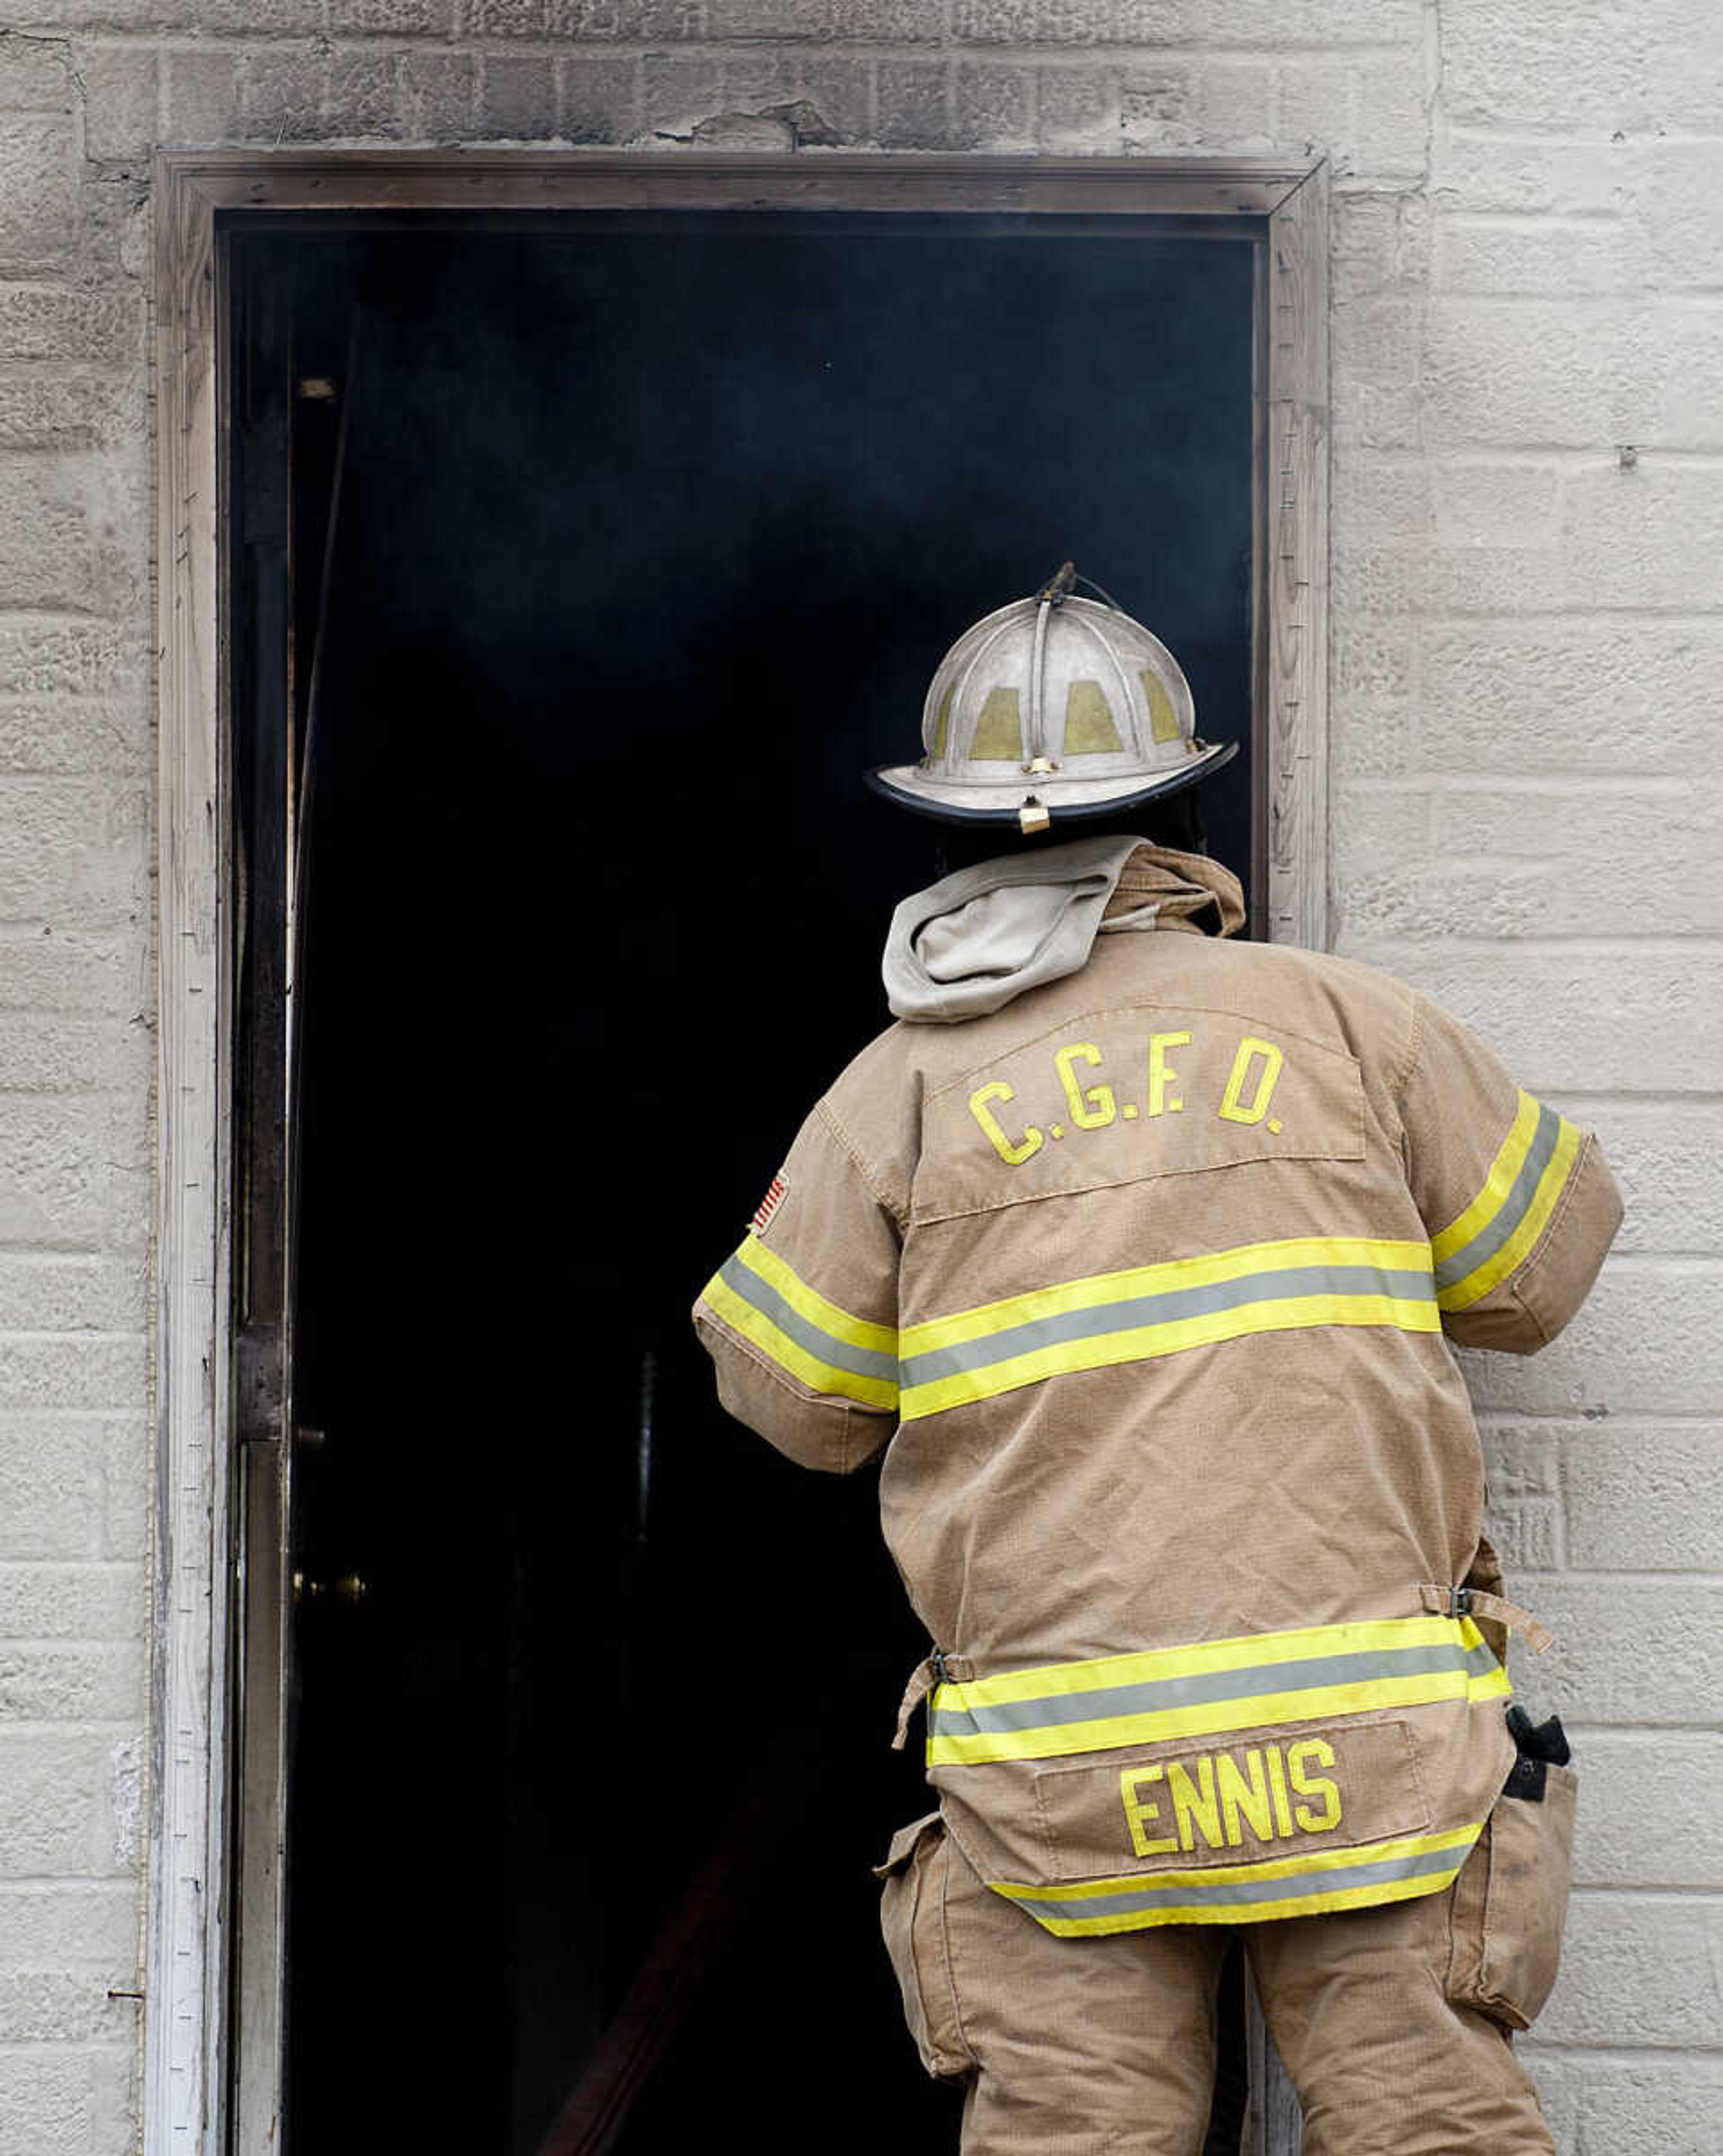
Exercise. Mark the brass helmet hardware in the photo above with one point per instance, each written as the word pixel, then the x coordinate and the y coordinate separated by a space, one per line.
pixel 1065 691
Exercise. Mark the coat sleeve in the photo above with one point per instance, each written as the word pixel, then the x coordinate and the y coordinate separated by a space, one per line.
pixel 1518 1203
pixel 801 1321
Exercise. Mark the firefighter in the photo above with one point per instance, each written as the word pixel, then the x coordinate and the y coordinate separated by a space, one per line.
pixel 1140 1253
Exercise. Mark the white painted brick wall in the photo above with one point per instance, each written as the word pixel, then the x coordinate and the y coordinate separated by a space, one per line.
pixel 1528 681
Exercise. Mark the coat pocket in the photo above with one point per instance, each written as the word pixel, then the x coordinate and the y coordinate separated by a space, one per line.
pixel 912 1916
pixel 1510 1902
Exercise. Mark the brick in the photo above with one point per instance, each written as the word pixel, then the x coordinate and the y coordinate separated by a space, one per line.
pixel 74 1174
pixel 49 1484
pixel 77 849
pixel 1526 1533
pixel 48 1370
pixel 1502 503
pixel 518 97
pixel 1371 824
pixel 1378 340
pixel 601 20
pixel 1520 1462
pixel 48 1290
pixel 362 98
pixel 35 73
pixel 1648 1814
pixel 1539 855
pixel 995 22
pixel 1375 501
pixel 1648 538
pixel 1668 1156
pixel 54 552
pixel 281 97
pixel 1219 25
pixel 52 1823
pixel 66 1927
pixel 1372 738
pixel 1378 415
pixel 47 968
pixel 1641 1495
pixel 1636 1972
pixel 54 1054
pixel 1372 659
pixel 1389 131
pixel 201 99
pixel 70 409
pixel 72 1602
pixel 912 104
pixel 70 735
pixel 1154 107
pixel 45 2103
pixel 125 1463
pixel 38 192
pixel 1364 246
pixel 1316 105
pixel 439 94
pixel 1557 842
pixel 61 2006
pixel 780 22
pixel 1544 373
pixel 1673 187
pixel 841 91
pixel 1602 68
pixel 1549 696
pixel 600 99
pixel 1663 2107
pixel 1487 171
pixel 1234 103
pixel 1076 107
pixel 102 1682
pixel 1558 2094
pixel 1590 1019
pixel 677 91
pixel 395 18
pixel 1543 257
pixel 892 21
pixel 990 107
pixel 121 88
pixel 751 79
pixel 1627 1649
pixel 74 322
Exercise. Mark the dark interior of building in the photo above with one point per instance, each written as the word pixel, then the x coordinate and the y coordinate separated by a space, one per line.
pixel 643 537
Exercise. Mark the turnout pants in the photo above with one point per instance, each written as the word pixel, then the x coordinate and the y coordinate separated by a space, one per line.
pixel 1105 2047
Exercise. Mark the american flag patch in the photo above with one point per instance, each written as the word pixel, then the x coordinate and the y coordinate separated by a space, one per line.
pixel 770 1203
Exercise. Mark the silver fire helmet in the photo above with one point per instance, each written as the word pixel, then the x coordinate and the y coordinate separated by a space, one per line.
pixel 1054 706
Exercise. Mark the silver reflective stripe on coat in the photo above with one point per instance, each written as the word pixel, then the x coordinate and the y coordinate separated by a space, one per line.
pixel 815 1339
pixel 1489 1239
pixel 1167 1308
pixel 1241 1893
pixel 1200 1691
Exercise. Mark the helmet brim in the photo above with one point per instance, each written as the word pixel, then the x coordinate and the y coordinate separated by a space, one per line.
pixel 1066 800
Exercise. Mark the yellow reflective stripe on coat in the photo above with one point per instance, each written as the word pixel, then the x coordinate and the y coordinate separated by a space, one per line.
pixel 1220 1687
pixel 1157 1310
pixel 1499 1228
pixel 759 1296
pixel 1252 1893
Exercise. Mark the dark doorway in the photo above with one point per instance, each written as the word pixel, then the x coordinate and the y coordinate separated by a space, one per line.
pixel 643 537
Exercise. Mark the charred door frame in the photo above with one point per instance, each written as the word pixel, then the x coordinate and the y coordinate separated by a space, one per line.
pixel 215 1392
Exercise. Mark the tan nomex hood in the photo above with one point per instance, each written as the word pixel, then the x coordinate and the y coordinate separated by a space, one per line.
pixel 975 941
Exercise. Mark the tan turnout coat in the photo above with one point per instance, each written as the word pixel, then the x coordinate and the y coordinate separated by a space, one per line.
pixel 1147 1284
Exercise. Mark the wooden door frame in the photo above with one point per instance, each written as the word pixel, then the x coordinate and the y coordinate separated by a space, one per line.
pixel 189 2028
